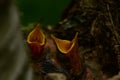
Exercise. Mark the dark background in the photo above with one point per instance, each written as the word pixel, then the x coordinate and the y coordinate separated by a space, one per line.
pixel 48 12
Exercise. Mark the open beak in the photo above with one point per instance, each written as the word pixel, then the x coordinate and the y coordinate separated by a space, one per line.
pixel 70 49
pixel 36 41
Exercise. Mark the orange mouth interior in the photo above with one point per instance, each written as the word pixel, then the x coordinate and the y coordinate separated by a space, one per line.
pixel 65 46
pixel 36 36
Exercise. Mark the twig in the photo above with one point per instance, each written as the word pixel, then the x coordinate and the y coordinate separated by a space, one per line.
pixel 113 26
